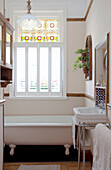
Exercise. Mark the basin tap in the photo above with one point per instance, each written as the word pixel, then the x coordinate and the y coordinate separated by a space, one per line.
pixel 101 105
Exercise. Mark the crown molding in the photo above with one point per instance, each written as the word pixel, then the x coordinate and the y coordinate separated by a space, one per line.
pixel 89 7
pixel 74 19
pixel 81 19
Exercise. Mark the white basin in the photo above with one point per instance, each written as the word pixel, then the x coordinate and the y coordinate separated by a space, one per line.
pixel 89 115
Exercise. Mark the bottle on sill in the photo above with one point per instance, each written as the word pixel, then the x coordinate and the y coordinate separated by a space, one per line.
pixel 104 83
pixel 101 80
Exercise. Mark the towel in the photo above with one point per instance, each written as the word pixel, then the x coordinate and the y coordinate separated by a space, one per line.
pixel 101 148
pixel 74 130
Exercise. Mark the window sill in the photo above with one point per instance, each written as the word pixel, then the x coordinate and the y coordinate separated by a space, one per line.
pixel 38 98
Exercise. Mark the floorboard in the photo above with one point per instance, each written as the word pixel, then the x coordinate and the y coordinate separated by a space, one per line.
pixel 63 165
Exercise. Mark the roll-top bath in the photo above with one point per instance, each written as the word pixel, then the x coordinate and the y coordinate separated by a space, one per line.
pixel 38 130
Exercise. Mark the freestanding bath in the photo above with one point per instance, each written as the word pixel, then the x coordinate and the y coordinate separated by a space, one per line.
pixel 38 130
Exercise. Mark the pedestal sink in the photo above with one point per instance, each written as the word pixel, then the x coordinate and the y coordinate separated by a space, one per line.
pixel 89 115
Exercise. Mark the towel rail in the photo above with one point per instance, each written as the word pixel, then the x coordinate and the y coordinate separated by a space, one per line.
pixel 83 126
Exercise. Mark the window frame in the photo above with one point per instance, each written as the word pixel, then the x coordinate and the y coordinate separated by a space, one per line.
pixel 38 93
pixel 49 13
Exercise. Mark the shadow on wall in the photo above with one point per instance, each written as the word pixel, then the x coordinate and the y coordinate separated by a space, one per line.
pixel 43 107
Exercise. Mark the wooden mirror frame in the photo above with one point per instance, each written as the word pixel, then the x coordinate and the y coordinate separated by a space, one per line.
pixel 10 33
pixel 89 46
pixel 106 39
pixel 2 50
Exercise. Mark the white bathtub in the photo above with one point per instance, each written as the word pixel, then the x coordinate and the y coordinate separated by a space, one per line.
pixel 38 130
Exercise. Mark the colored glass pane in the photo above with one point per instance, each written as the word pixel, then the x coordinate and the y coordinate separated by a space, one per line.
pixel 39 37
pixel 26 37
pixel 52 37
pixel 42 26
pixel 46 32
pixel 52 25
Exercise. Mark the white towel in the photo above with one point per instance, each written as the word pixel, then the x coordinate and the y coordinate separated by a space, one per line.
pixel 74 130
pixel 101 148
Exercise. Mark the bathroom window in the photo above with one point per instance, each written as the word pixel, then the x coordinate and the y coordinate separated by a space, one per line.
pixel 38 69
pixel 39 57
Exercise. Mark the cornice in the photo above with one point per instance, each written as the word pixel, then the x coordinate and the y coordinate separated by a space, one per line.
pixel 81 19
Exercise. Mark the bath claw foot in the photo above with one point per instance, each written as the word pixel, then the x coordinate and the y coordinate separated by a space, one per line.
pixel 67 146
pixel 12 147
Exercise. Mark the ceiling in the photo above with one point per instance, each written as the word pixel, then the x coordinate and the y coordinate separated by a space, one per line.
pixel 74 8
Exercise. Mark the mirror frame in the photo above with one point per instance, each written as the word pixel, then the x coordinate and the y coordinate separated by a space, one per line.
pixel 10 33
pixel 2 50
pixel 106 39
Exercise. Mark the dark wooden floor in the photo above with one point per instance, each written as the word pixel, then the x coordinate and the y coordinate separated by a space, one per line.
pixel 44 155
pixel 63 165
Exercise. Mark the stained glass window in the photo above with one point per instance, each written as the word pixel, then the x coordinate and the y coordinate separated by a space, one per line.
pixel 48 31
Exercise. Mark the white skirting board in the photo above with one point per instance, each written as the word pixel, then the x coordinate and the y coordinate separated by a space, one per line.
pixel 39 167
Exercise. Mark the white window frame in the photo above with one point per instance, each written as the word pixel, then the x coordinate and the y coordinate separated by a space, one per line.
pixel 49 13
pixel 38 93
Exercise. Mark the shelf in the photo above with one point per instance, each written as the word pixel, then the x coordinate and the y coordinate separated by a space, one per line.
pixel 4 83
pixel 6 67
pixel 6 75
pixel 100 87
pixel 2 101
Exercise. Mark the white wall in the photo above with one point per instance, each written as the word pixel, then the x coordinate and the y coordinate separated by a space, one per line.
pixel 98 25
pixel 76 37
pixel 75 83
pixel 1 6
pixel 89 103
pixel 42 107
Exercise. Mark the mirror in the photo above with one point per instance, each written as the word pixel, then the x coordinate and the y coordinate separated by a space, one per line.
pixel 102 73
pixel 101 65
pixel 105 60
pixel 8 47
pixel 89 47
pixel 0 44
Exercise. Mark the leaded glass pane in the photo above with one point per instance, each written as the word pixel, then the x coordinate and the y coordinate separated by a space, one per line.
pixel 26 37
pixel 52 37
pixel 39 37
pixel 48 31
pixel 41 28
pixel 52 25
